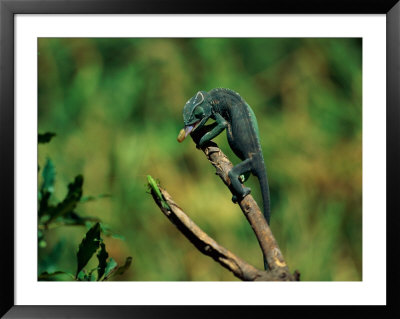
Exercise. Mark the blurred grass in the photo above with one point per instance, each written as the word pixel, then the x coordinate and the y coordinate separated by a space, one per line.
pixel 116 106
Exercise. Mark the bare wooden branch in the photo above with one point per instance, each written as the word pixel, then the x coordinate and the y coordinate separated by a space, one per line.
pixel 278 270
pixel 209 246
pixel 252 212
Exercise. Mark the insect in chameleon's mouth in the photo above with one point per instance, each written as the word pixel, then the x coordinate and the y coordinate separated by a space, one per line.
pixel 193 127
pixel 186 131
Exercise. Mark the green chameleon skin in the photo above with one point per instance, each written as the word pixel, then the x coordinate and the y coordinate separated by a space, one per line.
pixel 231 113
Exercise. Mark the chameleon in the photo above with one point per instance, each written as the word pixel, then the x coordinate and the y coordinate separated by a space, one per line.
pixel 231 113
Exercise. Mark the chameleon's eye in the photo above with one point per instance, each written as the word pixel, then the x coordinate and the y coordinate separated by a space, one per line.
pixel 199 112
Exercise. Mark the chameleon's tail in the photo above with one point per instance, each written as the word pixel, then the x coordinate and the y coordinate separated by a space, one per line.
pixel 262 178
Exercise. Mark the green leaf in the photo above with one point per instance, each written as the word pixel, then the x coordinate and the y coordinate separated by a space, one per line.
pixel 111 267
pixel 81 275
pixel 90 243
pixel 71 200
pixel 46 137
pixel 91 276
pixel 48 174
pixel 47 188
pixel 76 186
pixel 44 206
pixel 102 257
pixel 51 258
pixel 45 275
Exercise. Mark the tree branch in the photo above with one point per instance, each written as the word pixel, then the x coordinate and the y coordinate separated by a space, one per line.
pixel 207 245
pixel 278 270
pixel 252 212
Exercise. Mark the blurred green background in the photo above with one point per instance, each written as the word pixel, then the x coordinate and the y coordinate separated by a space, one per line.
pixel 116 107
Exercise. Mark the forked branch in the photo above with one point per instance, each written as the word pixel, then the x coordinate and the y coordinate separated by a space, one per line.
pixel 278 270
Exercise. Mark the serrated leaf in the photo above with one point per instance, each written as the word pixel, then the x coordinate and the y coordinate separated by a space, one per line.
pixel 111 267
pixel 102 257
pixel 89 245
pixel 46 137
pixel 71 200
pixel 48 175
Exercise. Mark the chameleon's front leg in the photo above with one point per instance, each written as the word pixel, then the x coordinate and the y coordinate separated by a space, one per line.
pixel 200 132
pixel 221 124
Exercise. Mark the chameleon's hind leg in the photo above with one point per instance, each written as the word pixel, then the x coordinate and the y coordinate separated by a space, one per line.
pixel 234 175
pixel 242 178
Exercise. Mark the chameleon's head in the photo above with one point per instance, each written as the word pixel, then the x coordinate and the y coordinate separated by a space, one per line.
pixel 196 112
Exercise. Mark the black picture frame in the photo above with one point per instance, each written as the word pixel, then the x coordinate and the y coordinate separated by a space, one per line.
pixel 8 10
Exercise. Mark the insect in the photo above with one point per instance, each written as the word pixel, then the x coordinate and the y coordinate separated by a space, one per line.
pixel 155 190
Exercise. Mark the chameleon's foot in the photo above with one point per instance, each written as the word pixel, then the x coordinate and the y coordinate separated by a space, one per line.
pixel 200 144
pixel 234 199
pixel 246 191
